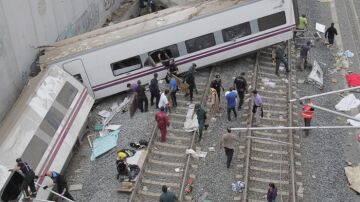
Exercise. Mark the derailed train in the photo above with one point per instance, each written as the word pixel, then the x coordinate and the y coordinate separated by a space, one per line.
pixel 42 127
pixel 105 60
pixel 51 112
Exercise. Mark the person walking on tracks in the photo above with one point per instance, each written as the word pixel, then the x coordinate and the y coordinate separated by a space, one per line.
pixel 240 84
pixel 164 102
pixel 303 23
pixel 303 55
pixel 213 101
pixel 217 85
pixel 154 91
pixel 231 102
pixel 61 184
pixel 279 58
pixel 201 117
pixel 227 142
pixel 29 177
pixel 167 196
pixel 142 99
pixel 162 121
pixel 173 90
pixel 307 114
pixel 272 193
pixel 190 80
pixel 257 106
pixel 330 34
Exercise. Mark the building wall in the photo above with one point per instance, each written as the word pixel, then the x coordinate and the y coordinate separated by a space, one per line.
pixel 28 24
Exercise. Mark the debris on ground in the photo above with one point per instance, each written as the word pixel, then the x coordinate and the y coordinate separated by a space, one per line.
pixel 212 149
pixel 126 187
pixel 178 170
pixel 353 176
pixel 313 176
pixel 353 79
pixel 189 186
pixel 349 163
pixel 238 186
pixel 75 187
pixel 347 103
pixel 104 113
pixel 354 123
pixel 196 154
pixel 104 144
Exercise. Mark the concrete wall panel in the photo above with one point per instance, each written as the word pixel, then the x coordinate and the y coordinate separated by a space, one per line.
pixel 27 24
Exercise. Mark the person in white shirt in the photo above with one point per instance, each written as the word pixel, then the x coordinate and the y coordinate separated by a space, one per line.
pixel 164 102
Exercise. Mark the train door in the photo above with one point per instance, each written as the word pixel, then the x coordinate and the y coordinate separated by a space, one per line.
pixel 12 189
pixel 77 70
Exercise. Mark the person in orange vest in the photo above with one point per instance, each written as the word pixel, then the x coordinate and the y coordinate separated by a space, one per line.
pixel 307 114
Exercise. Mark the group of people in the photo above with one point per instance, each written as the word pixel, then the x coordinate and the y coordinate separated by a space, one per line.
pixel 59 181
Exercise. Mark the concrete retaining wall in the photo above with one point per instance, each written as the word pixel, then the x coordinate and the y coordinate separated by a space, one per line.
pixel 28 24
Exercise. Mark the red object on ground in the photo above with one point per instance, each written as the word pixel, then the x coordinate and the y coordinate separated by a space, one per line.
pixel 353 79
pixel 188 188
pixel 358 137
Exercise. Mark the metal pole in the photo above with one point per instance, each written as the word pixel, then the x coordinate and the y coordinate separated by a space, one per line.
pixel 322 94
pixel 334 112
pixel 294 128
pixel 269 139
pixel 57 194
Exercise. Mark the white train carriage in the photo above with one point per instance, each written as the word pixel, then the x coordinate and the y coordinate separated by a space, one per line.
pixel 107 59
pixel 42 128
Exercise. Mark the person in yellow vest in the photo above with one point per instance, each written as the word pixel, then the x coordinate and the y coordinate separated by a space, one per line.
pixel 307 114
pixel 303 23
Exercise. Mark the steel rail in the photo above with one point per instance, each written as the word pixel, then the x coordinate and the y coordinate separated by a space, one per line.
pixel 290 119
pixel 140 175
pixel 249 133
pixel 294 128
pixel 203 101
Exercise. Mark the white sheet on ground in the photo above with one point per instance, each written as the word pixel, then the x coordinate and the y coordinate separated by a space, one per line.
pixel 353 176
pixel 134 159
pixel 354 123
pixel 347 103
pixel 191 124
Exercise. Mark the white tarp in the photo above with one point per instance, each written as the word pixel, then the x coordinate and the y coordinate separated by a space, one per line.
pixel 347 103
pixel 191 124
pixel 354 123
pixel 353 176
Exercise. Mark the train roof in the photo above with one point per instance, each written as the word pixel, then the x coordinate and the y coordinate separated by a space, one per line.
pixel 133 28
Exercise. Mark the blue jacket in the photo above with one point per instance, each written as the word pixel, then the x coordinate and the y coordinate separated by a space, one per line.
pixel 173 86
pixel 231 100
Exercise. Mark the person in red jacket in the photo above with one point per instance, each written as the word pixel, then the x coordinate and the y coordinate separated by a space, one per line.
pixel 163 122
pixel 307 114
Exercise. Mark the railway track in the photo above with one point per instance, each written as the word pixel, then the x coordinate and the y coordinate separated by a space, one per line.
pixel 267 161
pixel 164 157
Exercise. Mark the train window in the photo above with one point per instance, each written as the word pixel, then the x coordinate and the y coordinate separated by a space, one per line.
pixel 34 151
pixel 168 51
pixel 125 66
pixel 67 94
pixel 200 43
pixel 271 21
pixel 52 121
pixel 236 31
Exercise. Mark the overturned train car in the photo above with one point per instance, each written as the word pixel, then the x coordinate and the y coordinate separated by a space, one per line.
pixel 42 128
